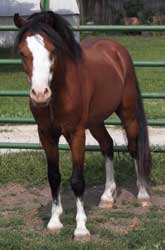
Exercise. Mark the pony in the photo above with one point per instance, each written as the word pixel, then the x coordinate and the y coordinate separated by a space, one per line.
pixel 74 87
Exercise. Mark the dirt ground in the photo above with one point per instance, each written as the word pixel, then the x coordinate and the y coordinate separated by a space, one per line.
pixel 36 204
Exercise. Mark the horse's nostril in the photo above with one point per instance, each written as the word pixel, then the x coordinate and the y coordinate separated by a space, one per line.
pixel 33 92
pixel 40 96
pixel 46 91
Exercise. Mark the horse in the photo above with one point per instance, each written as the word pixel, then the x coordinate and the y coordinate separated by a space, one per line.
pixel 74 87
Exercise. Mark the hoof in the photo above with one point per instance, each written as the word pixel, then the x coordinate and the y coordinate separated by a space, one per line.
pixel 145 203
pixel 55 229
pixel 106 204
pixel 83 238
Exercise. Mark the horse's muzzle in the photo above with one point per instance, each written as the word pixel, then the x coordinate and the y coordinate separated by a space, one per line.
pixel 40 98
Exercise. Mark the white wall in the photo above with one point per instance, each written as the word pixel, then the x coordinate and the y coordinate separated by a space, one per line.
pixel 25 7
pixel 7 10
pixel 66 5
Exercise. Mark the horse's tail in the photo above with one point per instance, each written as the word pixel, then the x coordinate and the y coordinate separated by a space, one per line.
pixel 143 149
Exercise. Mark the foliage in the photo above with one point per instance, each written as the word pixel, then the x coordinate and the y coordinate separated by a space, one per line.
pixel 112 12
pixel 146 16
pixel 101 11
pixel 133 8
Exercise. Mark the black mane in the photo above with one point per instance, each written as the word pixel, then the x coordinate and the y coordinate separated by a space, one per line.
pixel 56 28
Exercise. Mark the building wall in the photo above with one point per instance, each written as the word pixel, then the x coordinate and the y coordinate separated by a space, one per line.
pixel 7 10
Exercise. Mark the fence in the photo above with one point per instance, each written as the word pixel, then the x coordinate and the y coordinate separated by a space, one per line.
pixel 152 122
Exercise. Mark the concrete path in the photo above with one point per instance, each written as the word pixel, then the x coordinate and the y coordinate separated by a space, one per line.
pixel 28 134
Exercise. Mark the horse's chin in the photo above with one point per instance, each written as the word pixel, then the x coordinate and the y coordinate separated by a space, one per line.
pixel 39 104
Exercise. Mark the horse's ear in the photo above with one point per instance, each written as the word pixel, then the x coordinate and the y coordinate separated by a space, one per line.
pixel 19 21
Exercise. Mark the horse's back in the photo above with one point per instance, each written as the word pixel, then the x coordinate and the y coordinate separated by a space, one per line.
pixel 101 48
pixel 107 64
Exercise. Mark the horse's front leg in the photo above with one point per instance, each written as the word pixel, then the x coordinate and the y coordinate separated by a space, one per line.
pixel 50 145
pixel 77 144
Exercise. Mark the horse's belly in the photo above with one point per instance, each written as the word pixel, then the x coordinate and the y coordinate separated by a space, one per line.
pixel 105 101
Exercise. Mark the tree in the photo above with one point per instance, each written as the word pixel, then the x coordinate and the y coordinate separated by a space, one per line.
pixel 133 8
pixel 101 11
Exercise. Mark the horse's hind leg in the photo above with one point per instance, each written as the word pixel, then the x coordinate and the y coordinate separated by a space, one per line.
pixel 106 144
pixel 131 126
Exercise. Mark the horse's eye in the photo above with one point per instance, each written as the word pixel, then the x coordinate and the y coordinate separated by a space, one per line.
pixel 54 51
pixel 21 54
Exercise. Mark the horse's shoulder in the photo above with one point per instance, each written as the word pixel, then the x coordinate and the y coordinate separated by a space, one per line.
pixel 101 44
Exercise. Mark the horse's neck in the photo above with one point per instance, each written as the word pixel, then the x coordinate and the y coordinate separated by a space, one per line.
pixel 66 89
pixel 66 74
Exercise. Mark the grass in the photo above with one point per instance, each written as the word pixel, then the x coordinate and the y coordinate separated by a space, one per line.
pixel 17 234
pixel 12 222
pixel 110 229
pixel 140 47
pixel 30 168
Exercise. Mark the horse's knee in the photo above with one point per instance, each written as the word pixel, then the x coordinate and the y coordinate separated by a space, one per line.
pixel 54 178
pixel 107 148
pixel 77 182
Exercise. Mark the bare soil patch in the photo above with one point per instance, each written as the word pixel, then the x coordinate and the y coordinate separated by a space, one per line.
pixel 34 205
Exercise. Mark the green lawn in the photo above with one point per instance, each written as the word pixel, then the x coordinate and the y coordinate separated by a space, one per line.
pixel 141 48
pixel 126 228
pixel 15 234
pixel 29 168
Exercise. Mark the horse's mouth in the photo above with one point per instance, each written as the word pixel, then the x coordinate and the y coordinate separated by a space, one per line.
pixel 40 104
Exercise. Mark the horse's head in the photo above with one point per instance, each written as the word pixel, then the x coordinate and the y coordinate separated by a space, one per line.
pixel 38 57
pixel 42 38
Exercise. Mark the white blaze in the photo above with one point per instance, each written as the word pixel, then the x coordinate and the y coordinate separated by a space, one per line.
pixel 41 75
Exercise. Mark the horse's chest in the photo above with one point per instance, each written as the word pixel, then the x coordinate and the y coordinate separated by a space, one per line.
pixel 67 123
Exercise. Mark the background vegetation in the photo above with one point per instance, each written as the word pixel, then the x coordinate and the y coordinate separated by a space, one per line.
pixel 114 12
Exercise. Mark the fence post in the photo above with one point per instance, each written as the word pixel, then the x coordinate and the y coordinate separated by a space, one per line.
pixel 44 4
